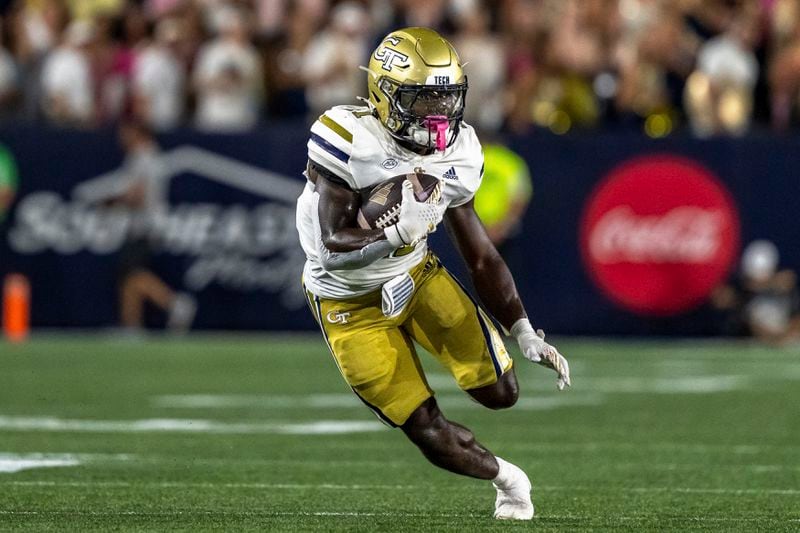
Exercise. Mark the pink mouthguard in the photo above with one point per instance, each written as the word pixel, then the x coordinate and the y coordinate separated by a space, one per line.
pixel 438 124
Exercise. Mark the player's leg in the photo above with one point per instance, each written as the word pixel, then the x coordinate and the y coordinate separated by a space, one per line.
pixel 143 285
pixel 377 359
pixel 448 445
pixel 374 355
pixel 450 325
pixel 131 304
pixel 453 328
pixel 150 287
pixel 136 286
pixel 451 446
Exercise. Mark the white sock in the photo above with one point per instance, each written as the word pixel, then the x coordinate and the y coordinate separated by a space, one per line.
pixel 505 475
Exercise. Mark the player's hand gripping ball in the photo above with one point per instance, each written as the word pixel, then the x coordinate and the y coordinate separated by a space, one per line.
pixel 380 204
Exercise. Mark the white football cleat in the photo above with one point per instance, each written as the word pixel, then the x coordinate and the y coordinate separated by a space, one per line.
pixel 513 493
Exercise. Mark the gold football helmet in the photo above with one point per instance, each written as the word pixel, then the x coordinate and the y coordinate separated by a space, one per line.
pixel 417 87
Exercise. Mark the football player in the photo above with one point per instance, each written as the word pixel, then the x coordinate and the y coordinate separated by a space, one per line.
pixel 374 291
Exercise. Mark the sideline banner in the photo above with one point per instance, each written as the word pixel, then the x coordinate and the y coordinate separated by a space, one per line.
pixel 228 234
pixel 625 235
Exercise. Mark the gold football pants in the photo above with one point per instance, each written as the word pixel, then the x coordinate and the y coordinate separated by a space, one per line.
pixel 376 355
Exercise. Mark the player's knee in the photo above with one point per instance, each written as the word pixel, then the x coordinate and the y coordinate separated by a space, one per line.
pixel 135 280
pixel 500 395
pixel 507 398
pixel 504 398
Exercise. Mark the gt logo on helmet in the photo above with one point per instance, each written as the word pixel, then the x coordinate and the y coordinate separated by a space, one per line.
pixel 388 56
pixel 417 88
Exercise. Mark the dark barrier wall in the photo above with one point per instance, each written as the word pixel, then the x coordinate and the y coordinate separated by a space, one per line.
pixel 229 235
pixel 761 173
pixel 229 238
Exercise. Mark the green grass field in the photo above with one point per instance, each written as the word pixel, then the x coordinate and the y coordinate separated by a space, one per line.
pixel 260 433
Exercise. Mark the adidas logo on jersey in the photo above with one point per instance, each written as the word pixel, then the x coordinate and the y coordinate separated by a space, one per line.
pixel 450 174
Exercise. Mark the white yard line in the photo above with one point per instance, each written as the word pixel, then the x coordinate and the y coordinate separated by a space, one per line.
pixel 390 464
pixel 663 519
pixel 398 514
pixel 363 463
pixel 11 463
pixel 680 490
pixel 189 425
pixel 262 401
pixel 754 468
pixel 546 403
pixel 664 385
pixel 349 400
pixel 78 456
pixel 14 465
pixel 738 449
pixel 206 485
pixel 781 492
pixel 659 384
pixel 255 514
pixel 333 486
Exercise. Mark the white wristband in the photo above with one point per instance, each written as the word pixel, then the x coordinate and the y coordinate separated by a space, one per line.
pixel 523 325
pixel 393 236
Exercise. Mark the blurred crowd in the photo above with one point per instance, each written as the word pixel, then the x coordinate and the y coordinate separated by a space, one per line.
pixel 710 66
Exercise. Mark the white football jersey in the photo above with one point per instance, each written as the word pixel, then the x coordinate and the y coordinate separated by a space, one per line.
pixel 351 142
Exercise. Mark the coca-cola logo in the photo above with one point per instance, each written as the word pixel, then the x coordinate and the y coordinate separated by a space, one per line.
pixel 686 234
pixel 658 234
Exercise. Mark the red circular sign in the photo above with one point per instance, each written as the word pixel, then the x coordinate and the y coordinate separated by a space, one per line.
pixel 658 234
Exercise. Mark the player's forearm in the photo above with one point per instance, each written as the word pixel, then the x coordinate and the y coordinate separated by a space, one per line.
pixel 355 259
pixel 497 290
pixel 350 239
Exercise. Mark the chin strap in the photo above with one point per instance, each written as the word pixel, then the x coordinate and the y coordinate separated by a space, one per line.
pixel 438 124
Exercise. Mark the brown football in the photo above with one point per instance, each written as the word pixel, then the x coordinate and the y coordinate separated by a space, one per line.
pixel 380 204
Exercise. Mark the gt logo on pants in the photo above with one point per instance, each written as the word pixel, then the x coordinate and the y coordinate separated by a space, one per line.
pixel 335 317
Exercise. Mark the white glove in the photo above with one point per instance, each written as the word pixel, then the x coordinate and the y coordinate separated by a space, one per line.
pixel 416 219
pixel 535 349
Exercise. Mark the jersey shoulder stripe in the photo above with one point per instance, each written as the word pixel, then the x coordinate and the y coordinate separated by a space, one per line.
pixel 332 133
pixel 337 128
pixel 330 143
pixel 330 148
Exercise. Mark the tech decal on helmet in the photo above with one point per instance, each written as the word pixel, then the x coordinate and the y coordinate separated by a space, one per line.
pixel 417 87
